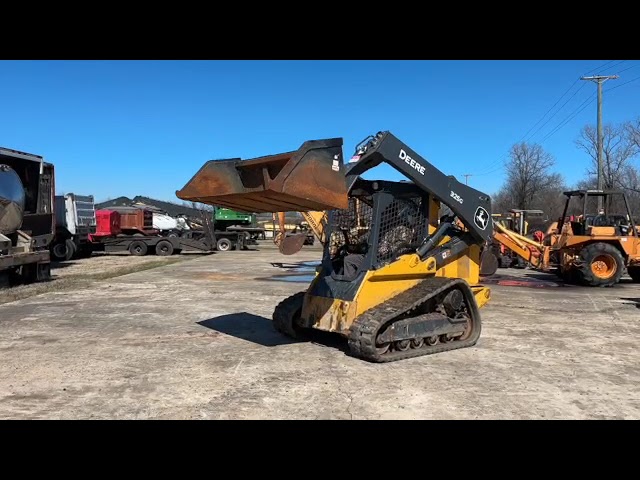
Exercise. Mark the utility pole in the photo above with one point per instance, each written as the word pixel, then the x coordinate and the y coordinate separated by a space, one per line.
pixel 466 178
pixel 600 79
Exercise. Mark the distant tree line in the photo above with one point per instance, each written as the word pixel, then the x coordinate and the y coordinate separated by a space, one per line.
pixel 533 183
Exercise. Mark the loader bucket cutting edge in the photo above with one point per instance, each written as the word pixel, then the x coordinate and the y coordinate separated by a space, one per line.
pixel 309 179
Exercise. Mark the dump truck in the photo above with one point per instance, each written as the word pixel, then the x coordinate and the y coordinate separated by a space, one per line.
pixel 27 221
pixel 75 221
pixel 396 279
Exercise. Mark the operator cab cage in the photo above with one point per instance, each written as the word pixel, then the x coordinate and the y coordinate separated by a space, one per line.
pixel 624 221
pixel 384 219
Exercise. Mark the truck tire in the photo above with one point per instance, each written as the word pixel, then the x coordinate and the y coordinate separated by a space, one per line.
pixel 138 248
pixel 601 265
pixel 64 251
pixel 164 248
pixel 224 244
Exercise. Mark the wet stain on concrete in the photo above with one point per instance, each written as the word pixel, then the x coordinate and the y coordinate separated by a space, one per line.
pixel 512 281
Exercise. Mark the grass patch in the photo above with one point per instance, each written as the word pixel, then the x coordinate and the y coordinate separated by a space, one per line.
pixel 72 282
pixel 127 269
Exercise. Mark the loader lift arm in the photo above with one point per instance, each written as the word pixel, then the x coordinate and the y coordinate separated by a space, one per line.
pixel 470 206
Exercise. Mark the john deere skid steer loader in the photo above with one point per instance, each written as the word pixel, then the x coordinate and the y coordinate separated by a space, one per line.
pixel 395 279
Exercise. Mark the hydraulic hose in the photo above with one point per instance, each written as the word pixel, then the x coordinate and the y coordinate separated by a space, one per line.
pixel 431 241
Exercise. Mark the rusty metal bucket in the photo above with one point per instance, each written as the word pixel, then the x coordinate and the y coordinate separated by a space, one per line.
pixel 288 244
pixel 308 179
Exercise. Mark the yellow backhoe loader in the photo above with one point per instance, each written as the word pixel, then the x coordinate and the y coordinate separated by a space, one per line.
pixel 591 249
pixel 396 280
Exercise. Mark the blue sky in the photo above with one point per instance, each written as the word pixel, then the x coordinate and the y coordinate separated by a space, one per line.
pixel 145 127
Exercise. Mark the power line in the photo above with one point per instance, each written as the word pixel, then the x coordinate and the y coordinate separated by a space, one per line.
pixel 585 104
pixel 489 172
pixel 569 99
pixel 628 68
pixel 576 92
pixel 496 162
pixel 604 65
pixel 551 117
pixel 562 123
pixel 570 117
pixel 622 84
pixel 580 108
pixel 547 112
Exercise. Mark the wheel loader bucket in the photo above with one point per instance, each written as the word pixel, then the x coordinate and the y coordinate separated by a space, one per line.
pixel 310 178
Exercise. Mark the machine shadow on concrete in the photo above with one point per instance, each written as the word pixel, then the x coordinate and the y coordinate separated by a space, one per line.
pixel 308 266
pixel 56 265
pixel 633 301
pixel 260 330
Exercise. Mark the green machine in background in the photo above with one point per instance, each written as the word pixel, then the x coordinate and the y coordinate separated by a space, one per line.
pixel 227 220
pixel 225 217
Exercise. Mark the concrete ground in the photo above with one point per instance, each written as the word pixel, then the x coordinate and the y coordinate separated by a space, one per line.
pixel 194 340
pixel 79 273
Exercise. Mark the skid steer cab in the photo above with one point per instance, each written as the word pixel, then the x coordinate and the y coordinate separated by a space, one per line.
pixel 397 280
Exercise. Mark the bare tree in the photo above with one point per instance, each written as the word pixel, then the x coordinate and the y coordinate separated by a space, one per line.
pixel 198 206
pixel 527 173
pixel 631 186
pixel 530 182
pixel 632 129
pixel 201 206
pixel 618 148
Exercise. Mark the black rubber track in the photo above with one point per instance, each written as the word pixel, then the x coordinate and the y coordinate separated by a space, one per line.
pixel 366 327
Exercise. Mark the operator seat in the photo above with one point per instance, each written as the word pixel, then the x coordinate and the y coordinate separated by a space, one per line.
pixel 602 221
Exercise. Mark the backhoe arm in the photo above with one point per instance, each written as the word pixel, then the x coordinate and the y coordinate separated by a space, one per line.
pixel 288 245
pixel 317 222
pixel 472 207
pixel 532 252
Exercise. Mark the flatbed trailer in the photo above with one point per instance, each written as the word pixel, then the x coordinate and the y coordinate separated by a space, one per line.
pixel 140 245
pixel 33 267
